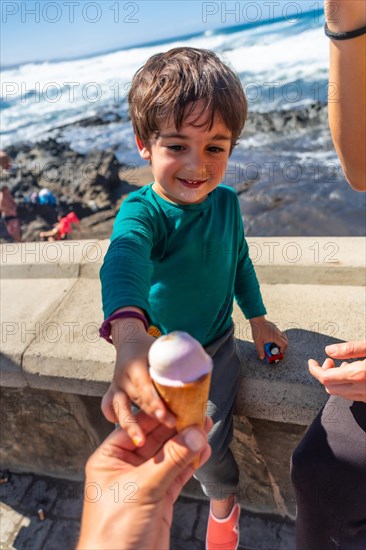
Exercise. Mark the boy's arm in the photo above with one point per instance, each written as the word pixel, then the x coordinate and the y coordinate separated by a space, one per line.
pixel 347 88
pixel 126 280
pixel 249 299
pixel 247 290
pixel 126 274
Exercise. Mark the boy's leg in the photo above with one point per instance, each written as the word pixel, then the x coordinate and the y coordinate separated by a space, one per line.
pixel 219 477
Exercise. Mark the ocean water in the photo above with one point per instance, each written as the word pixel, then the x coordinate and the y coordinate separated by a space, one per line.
pixel 294 184
pixel 282 64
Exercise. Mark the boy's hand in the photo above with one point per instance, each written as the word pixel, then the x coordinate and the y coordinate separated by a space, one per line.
pixel 264 331
pixel 132 383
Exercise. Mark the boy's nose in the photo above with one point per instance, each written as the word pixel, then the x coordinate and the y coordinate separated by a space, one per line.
pixel 196 164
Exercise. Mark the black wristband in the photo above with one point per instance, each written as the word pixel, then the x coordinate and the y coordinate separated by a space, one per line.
pixel 344 35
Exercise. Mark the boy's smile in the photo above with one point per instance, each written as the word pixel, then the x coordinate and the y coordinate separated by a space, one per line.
pixel 190 163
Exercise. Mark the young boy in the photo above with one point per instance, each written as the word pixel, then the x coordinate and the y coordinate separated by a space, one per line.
pixel 178 257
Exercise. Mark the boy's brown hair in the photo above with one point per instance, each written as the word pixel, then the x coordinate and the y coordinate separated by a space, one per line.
pixel 170 83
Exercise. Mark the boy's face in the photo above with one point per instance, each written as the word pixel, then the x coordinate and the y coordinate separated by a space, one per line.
pixel 189 164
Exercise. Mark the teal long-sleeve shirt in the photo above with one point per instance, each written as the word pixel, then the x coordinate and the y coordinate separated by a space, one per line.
pixel 181 264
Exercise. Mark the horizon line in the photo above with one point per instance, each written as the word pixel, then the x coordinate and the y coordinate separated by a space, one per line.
pixel 228 30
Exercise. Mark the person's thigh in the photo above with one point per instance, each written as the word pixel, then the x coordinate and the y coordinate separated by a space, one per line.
pixel 329 477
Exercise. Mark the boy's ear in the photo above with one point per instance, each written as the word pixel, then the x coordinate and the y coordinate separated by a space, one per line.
pixel 143 149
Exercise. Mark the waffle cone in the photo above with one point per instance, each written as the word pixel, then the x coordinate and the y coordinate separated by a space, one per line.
pixel 188 402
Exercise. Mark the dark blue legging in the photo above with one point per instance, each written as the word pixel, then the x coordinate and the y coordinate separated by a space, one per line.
pixel 329 476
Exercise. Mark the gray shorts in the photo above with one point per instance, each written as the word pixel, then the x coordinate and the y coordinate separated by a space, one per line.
pixel 219 477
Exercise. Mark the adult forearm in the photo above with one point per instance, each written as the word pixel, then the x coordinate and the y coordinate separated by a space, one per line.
pixel 347 89
pixel 345 15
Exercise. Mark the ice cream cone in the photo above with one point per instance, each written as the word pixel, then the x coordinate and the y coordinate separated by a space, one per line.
pixel 181 372
pixel 187 402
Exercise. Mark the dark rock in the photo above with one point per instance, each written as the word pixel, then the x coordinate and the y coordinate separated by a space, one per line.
pixel 97 120
pixel 243 186
pixel 313 115
pixel 86 184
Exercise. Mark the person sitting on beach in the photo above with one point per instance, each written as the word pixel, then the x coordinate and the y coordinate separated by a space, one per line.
pixel 178 256
pixel 45 196
pixel 9 214
pixel 4 161
pixel 329 465
pixel 62 228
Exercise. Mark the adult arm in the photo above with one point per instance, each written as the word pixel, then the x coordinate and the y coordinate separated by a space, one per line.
pixel 137 487
pixel 347 88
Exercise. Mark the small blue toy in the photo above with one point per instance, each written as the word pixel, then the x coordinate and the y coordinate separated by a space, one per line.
pixel 272 353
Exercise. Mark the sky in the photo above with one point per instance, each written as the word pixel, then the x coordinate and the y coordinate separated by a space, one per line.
pixel 62 29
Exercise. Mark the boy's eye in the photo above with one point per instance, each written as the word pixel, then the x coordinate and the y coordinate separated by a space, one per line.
pixel 175 147
pixel 214 149
pixel 211 149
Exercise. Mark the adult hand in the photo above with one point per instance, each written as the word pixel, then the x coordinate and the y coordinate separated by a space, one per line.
pixel 348 380
pixel 130 491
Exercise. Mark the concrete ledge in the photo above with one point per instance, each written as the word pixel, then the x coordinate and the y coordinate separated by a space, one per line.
pixel 51 310
pixel 79 361
pixel 67 259
pixel 309 260
pixel 26 306
pixel 286 260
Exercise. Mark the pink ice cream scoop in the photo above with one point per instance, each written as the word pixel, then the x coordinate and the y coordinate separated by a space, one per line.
pixel 177 359
pixel 181 373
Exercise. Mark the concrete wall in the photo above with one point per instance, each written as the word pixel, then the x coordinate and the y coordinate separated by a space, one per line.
pixel 55 368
